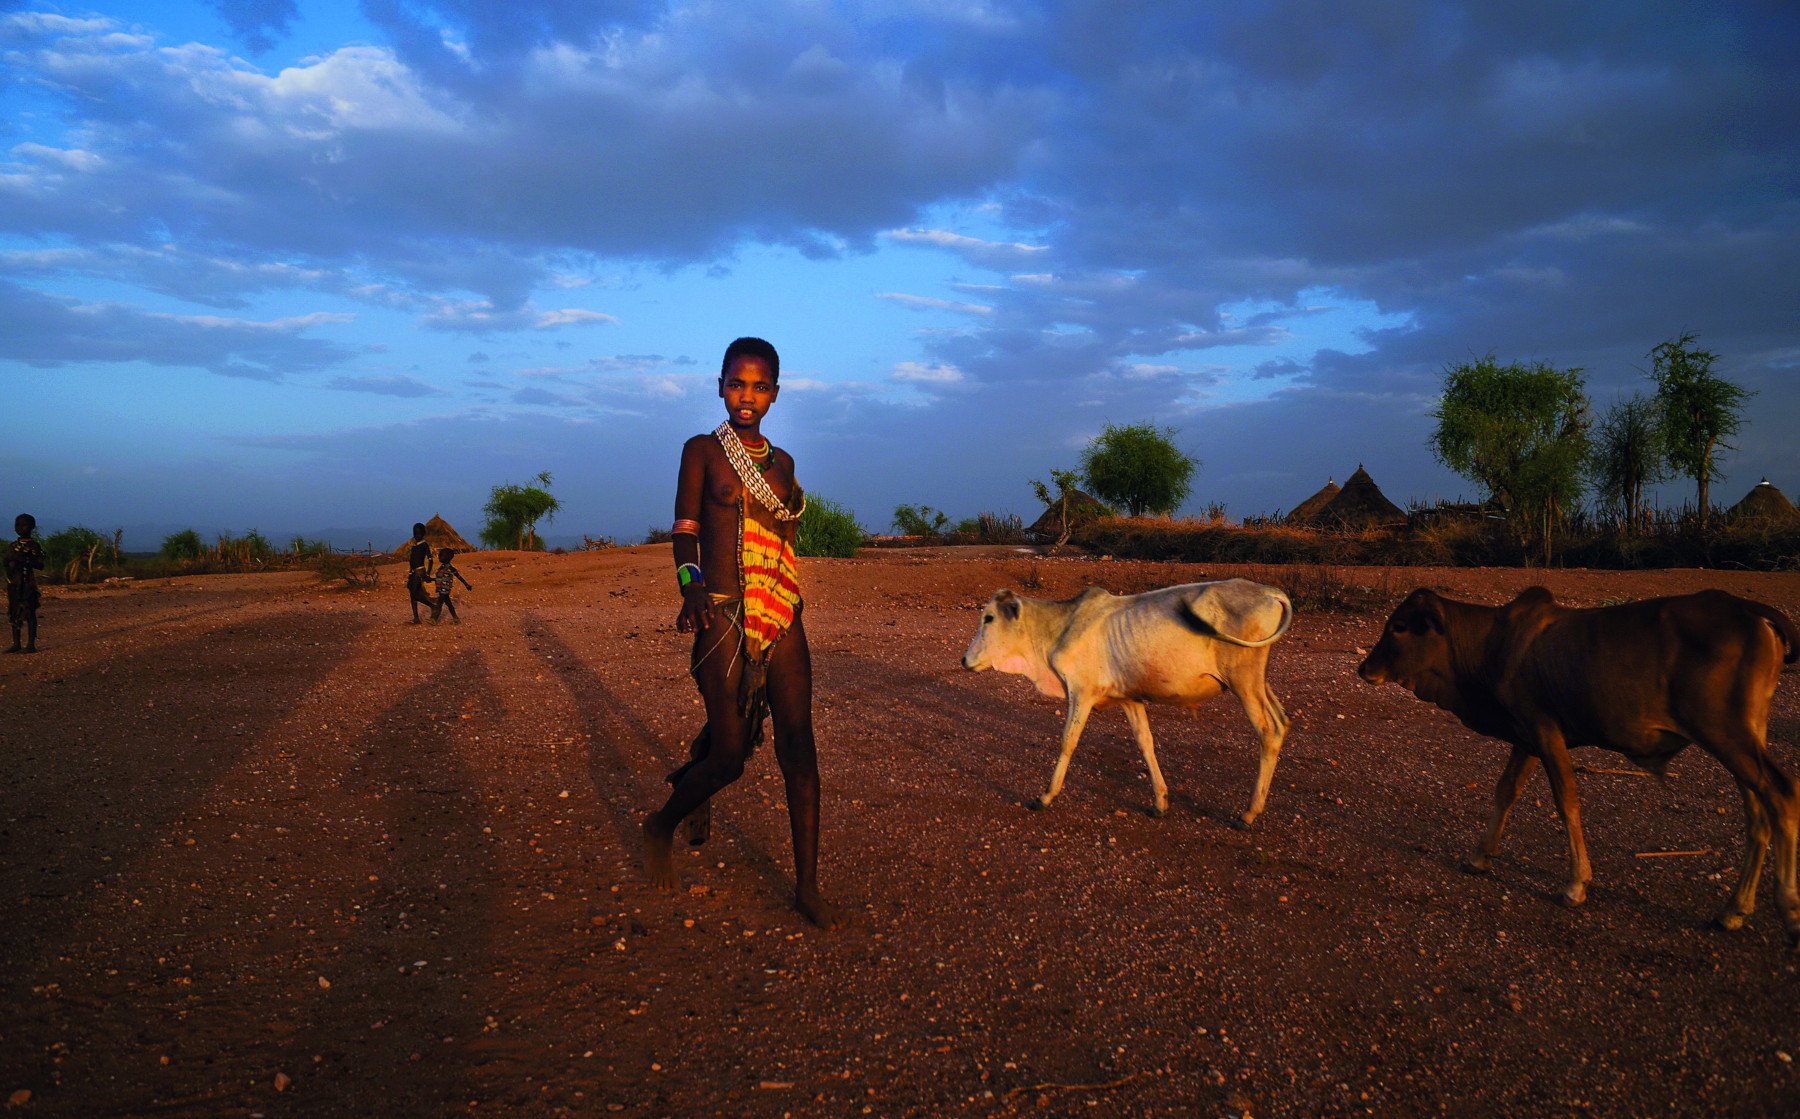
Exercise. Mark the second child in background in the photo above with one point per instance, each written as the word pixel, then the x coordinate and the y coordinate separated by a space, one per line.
pixel 447 575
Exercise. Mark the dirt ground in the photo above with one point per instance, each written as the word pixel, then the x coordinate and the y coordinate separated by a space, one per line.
pixel 269 851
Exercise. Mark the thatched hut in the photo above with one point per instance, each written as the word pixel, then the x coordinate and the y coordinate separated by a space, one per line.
pixel 438 534
pixel 1304 512
pixel 1765 503
pixel 1083 507
pixel 1360 504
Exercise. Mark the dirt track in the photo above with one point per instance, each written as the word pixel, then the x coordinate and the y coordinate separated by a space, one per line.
pixel 268 851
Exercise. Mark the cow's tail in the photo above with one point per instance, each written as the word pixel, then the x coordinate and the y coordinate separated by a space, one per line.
pixel 1287 619
pixel 1781 625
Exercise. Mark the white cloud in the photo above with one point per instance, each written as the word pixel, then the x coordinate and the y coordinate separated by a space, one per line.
pixel 926 303
pixel 917 373
pixel 997 255
pixel 570 316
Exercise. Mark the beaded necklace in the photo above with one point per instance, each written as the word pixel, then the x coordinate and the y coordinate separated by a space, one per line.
pixel 745 464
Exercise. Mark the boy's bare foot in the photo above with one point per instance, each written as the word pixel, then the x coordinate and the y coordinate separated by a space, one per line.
pixel 813 906
pixel 698 825
pixel 659 859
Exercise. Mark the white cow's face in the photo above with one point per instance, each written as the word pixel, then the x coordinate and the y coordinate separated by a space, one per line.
pixel 993 645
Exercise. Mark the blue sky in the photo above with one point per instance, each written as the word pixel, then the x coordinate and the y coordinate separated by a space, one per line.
pixel 334 267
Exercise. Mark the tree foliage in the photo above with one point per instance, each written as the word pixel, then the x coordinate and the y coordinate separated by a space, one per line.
pixel 1065 483
pixel 920 520
pixel 183 545
pixel 1625 456
pixel 1519 430
pixel 1700 411
pixel 77 542
pixel 827 529
pixel 513 512
pixel 1138 466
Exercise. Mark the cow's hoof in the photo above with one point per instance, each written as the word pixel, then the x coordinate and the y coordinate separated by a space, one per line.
pixel 1475 866
pixel 1037 804
pixel 1244 823
pixel 1572 897
pixel 1729 920
pixel 1156 813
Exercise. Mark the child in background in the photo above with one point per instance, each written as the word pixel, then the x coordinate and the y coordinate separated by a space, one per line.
pixel 447 575
pixel 23 559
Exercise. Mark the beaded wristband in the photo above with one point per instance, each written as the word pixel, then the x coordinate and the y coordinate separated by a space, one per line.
pixel 688 575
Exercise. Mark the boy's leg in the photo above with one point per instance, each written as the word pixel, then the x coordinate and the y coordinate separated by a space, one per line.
pixel 413 590
pixel 790 710
pixel 31 631
pixel 717 665
pixel 698 824
pixel 450 605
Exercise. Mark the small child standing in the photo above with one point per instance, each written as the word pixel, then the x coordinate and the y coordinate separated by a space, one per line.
pixel 447 575
pixel 23 559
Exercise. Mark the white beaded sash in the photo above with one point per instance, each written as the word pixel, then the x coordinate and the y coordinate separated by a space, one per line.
pixel 747 473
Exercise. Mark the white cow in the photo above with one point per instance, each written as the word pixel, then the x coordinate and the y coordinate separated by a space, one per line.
pixel 1179 645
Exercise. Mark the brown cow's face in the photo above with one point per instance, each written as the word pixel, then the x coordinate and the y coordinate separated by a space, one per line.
pixel 996 636
pixel 1412 650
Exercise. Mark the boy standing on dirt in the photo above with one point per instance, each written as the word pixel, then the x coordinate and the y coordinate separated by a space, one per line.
pixel 447 575
pixel 737 508
pixel 418 562
pixel 24 558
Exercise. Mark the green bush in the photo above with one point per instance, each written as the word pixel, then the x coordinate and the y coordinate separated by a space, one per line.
pixel 183 545
pixel 921 520
pixel 828 529
pixel 77 542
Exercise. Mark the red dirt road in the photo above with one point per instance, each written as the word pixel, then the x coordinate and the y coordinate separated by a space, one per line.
pixel 269 851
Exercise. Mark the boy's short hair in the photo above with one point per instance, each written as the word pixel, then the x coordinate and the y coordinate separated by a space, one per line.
pixel 446 555
pixel 752 347
pixel 419 530
pixel 24 524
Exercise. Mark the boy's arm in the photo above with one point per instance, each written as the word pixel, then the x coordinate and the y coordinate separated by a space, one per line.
pixel 465 582
pixel 690 494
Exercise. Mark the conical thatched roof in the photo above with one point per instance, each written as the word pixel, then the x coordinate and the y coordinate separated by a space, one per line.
pixel 438 534
pixel 1083 507
pixel 1360 504
pixel 1765 502
pixel 1308 509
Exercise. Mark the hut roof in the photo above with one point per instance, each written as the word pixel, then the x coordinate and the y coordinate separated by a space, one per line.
pixel 1360 504
pixel 1083 507
pixel 1308 509
pixel 1765 502
pixel 438 534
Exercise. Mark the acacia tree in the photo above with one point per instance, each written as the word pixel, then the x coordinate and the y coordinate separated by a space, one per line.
pixel 1138 466
pixel 1628 454
pixel 513 512
pixel 1700 411
pixel 1066 482
pixel 1521 431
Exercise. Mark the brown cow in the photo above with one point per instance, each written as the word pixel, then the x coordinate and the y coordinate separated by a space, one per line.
pixel 1645 679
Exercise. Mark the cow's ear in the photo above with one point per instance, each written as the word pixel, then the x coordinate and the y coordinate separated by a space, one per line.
pixel 1008 603
pixel 1431 613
